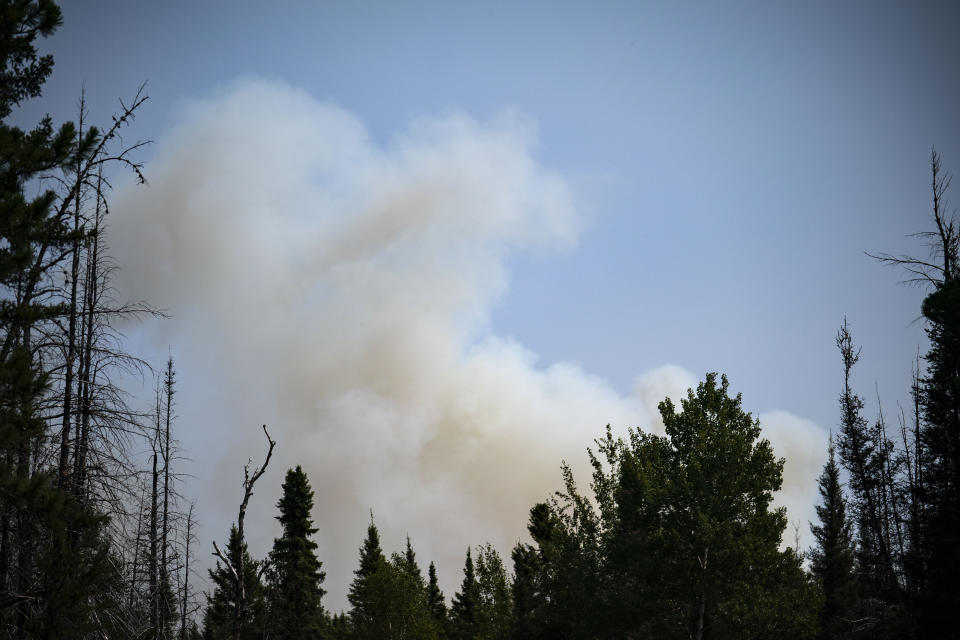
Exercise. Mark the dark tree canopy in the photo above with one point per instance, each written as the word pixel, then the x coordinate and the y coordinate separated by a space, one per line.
pixel 295 575
pixel 222 604
pixel 831 559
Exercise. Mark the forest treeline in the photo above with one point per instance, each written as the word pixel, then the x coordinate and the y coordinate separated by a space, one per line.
pixel 675 537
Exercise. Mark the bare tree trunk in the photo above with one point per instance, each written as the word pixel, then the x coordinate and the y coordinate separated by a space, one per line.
pixel 25 540
pixel 136 549
pixel 154 538
pixel 701 618
pixel 186 578
pixel 164 576
pixel 5 547
pixel 72 321
pixel 237 569
pixel 91 295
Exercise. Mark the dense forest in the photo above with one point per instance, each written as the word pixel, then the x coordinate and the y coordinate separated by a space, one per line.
pixel 676 536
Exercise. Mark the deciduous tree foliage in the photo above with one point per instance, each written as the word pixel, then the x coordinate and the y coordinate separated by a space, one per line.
pixel 683 542
pixel 695 549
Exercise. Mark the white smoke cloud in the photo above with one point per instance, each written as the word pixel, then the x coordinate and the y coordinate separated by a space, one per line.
pixel 339 290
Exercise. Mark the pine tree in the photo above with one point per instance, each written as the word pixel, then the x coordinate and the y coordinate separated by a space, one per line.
pixel 389 599
pixel 54 564
pixel 857 452
pixel 940 434
pixel 410 564
pixel 466 602
pixel 295 576
pixel 363 595
pixel 436 602
pixel 932 561
pixel 339 627
pixel 831 560
pixel 218 623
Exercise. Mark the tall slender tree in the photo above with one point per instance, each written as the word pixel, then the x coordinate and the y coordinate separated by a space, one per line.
pixel 295 575
pixel 940 401
pixel 363 594
pixel 831 560
pixel 464 623
pixel 436 602
pixel 495 603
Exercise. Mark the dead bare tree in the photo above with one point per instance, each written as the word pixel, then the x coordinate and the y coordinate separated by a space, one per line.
pixel 236 568
pixel 185 590
pixel 943 242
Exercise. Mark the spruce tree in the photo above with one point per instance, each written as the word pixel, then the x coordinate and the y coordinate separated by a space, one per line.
pixel 410 565
pixel 364 591
pixel 932 560
pixel 940 433
pixel 464 608
pixel 435 601
pixel 339 627
pixel 389 598
pixel 860 455
pixel 222 604
pixel 831 560
pixel 295 575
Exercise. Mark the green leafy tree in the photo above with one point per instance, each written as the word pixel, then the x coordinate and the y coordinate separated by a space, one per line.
pixel 831 560
pixel 690 543
pixel 222 604
pixel 295 575
pixel 557 583
pixel 404 599
pixel 495 602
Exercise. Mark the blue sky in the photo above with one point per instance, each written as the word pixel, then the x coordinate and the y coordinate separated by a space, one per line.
pixel 729 164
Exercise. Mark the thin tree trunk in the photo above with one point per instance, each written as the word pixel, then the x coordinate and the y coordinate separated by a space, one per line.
pixel 164 579
pixel 136 548
pixel 90 304
pixel 72 321
pixel 154 538
pixel 24 525
pixel 701 618
pixel 186 578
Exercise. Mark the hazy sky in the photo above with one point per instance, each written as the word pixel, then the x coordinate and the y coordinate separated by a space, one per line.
pixel 437 246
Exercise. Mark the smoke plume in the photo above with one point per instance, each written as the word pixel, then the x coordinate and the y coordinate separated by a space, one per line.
pixel 338 288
